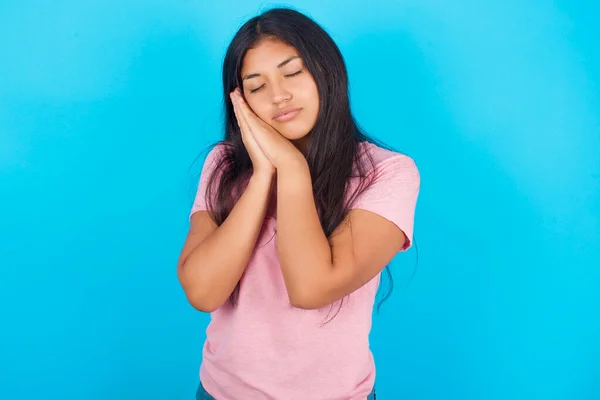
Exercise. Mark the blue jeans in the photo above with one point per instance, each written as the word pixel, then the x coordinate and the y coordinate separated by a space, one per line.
pixel 202 394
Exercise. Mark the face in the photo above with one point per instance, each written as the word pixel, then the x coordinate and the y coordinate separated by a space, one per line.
pixel 280 90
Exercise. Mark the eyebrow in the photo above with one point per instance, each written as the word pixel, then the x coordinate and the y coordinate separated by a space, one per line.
pixel 281 64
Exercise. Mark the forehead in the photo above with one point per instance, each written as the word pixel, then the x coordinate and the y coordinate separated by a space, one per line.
pixel 267 54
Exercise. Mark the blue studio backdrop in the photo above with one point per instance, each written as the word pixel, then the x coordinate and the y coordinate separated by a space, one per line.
pixel 104 107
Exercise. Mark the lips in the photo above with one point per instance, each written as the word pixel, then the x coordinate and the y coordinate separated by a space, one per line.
pixel 287 114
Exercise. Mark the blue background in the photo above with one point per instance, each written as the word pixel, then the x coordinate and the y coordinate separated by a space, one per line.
pixel 104 107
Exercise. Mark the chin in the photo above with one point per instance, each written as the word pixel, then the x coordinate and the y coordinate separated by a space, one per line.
pixel 293 136
pixel 293 132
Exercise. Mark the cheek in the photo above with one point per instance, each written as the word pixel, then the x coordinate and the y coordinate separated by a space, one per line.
pixel 313 105
pixel 311 94
pixel 258 108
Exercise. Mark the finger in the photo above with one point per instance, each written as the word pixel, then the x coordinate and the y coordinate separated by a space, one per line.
pixel 242 105
pixel 250 116
pixel 249 119
pixel 236 110
pixel 244 113
pixel 242 123
pixel 253 121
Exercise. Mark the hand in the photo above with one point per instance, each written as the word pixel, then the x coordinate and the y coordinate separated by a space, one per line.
pixel 277 149
pixel 260 163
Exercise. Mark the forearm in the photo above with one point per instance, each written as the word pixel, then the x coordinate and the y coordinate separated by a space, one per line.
pixel 214 267
pixel 303 249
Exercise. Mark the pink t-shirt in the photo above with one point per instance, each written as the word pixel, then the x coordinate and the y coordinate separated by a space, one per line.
pixel 266 349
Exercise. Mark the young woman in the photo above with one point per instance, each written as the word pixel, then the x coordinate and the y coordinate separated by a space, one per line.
pixel 296 215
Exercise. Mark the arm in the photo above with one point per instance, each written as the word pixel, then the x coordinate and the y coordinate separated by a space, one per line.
pixel 213 258
pixel 316 271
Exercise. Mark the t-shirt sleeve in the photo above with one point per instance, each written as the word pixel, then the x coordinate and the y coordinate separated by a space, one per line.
pixel 210 163
pixel 393 194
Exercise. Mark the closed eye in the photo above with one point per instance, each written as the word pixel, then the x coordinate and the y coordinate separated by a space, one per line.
pixel 294 74
pixel 287 76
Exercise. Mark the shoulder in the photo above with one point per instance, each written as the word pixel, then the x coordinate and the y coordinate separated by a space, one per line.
pixel 391 189
pixel 387 163
pixel 214 156
pixel 218 151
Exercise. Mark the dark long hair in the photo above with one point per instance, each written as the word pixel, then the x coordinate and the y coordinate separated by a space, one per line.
pixel 333 148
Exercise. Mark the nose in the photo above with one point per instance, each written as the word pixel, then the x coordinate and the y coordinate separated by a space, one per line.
pixel 280 94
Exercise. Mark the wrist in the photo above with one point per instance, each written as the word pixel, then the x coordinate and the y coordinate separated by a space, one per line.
pixel 293 164
pixel 265 178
